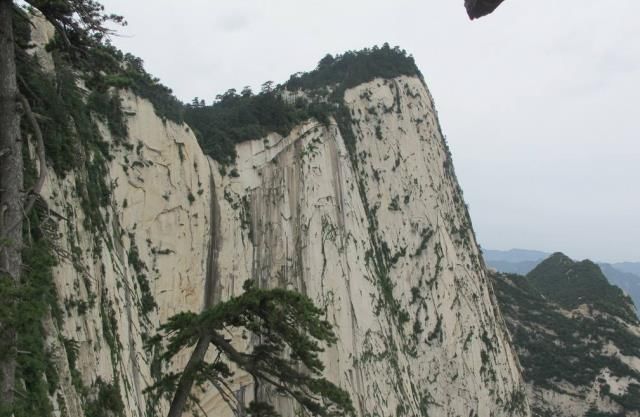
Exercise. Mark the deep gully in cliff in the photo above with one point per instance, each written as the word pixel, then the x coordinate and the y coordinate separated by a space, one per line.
pixel 210 297
pixel 212 279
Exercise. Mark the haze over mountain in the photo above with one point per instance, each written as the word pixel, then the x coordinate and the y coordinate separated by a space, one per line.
pixel 625 275
pixel 577 338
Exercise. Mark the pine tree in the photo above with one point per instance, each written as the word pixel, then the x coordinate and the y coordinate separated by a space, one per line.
pixel 290 331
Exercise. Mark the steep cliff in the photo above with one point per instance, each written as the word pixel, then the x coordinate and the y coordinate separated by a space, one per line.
pixel 384 242
pixel 362 212
pixel 577 337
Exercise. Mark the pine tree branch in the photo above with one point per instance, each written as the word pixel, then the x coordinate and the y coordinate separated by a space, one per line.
pixel 188 375
pixel 35 190
pixel 197 403
pixel 242 360
pixel 227 394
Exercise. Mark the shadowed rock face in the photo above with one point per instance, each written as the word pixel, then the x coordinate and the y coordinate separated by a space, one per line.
pixel 479 8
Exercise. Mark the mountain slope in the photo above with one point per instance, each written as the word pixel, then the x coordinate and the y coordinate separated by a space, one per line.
pixel 514 255
pixel 356 206
pixel 629 282
pixel 572 284
pixel 629 267
pixel 380 236
pixel 517 261
pixel 576 339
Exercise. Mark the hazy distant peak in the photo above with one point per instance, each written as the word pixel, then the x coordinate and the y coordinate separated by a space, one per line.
pixel 571 284
pixel 559 258
pixel 514 255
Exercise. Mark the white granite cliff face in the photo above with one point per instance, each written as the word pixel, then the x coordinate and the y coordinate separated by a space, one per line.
pixel 386 246
pixel 383 241
pixel 156 229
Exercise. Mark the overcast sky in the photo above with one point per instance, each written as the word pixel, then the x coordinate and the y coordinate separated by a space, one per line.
pixel 539 101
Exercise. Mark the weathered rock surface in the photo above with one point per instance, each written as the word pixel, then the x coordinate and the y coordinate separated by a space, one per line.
pixel 154 232
pixel 381 238
pixel 386 246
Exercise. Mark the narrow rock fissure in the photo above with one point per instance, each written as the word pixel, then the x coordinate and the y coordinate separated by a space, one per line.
pixel 212 288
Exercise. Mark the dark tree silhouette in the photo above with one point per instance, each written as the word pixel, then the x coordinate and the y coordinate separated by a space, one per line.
pixel 289 329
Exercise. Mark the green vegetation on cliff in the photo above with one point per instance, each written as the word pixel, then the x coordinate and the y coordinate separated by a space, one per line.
pixel 571 284
pixel 234 118
pixel 356 67
pixel 555 345
pixel 69 101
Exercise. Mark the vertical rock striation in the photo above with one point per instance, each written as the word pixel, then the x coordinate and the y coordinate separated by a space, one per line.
pixel 382 239
pixel 148 261
pixel 367 219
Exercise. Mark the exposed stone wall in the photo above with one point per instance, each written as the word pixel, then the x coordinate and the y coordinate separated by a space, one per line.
pixel 385 245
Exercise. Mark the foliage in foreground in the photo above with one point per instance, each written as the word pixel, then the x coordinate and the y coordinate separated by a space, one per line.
pixel 286 330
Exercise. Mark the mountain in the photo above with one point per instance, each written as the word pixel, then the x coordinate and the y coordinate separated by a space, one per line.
pixel 515 261
pixel 519 261
pixel 629 282
pixel 572 284
pixel 577 338
pixel 338 184
pixel 514 255
pixel 522 267
pixel 629 267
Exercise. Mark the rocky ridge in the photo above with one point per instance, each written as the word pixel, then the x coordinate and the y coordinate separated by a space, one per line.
pixel 373 229
pixel 577 337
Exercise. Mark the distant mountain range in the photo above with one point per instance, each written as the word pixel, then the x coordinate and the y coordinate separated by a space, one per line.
pixel 625 275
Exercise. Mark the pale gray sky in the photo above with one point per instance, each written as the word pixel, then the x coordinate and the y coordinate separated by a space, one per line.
pixel 539 101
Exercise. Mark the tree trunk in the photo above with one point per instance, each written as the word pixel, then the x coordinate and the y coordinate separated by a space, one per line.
pixel 186 381
pixel 11 184
pixel 211 297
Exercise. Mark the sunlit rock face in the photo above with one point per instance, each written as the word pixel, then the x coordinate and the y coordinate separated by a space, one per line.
pixel 116 284
pixel 379 236
pixel 382 240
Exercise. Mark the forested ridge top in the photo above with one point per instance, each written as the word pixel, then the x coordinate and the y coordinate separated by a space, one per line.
pixel 571 284
pixel 557 347
pixel 233 117
pixel 356 67
pixel 236 117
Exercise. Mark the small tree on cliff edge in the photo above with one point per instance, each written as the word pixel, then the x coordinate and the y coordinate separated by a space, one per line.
pixel 281 321
pixel 80 24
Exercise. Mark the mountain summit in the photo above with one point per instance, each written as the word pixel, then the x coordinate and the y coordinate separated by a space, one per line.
pixel 338 184
pixel 572 284
pixel 577 338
